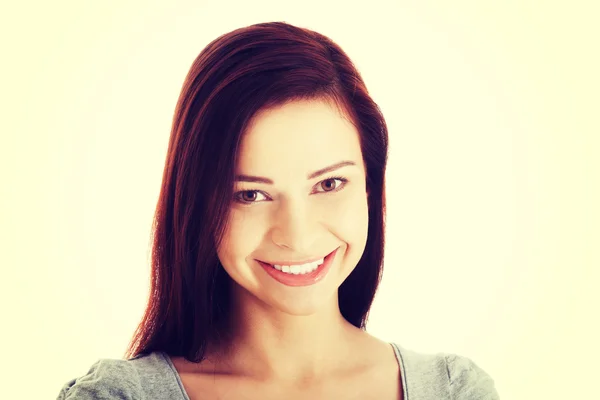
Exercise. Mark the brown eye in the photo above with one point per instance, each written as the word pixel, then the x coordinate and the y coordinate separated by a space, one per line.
pixel 328 184
pixel 250 198
pixel 247 196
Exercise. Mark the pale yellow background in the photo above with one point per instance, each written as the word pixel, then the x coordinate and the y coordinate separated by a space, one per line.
pixel 493 222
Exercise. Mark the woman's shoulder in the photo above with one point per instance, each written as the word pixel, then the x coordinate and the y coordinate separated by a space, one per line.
pixel 467 380
pixel 105 379
pixel 446 375
pixel 136 378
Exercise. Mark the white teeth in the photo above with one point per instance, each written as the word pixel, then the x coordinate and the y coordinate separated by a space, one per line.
pixel 299 269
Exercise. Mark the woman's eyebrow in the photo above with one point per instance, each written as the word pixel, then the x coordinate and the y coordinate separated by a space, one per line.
pixel 260 179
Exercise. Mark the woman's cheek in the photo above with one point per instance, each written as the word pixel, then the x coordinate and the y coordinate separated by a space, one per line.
pixel 349 215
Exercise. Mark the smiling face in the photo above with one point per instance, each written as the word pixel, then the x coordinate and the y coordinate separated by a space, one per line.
pixel 295 218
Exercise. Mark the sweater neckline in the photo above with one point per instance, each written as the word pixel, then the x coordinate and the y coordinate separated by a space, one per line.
pixel 397 352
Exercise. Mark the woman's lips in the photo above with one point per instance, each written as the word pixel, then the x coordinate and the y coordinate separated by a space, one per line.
pixel 301 279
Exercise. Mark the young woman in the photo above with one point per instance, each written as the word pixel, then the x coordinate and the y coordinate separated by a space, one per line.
pixel 269 240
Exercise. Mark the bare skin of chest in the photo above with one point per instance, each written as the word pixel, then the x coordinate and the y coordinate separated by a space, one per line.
pixel 381 381
pixel 208 388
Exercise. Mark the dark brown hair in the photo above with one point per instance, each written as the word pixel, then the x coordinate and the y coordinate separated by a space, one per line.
pixel 238 74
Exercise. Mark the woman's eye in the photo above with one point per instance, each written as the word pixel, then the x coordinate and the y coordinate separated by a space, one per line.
pixel 248 197
pixel 331 187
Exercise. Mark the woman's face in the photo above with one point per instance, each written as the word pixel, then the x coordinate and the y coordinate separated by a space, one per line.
pixel 295 218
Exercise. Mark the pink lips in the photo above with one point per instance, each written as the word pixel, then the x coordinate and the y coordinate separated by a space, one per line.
pixel 301 280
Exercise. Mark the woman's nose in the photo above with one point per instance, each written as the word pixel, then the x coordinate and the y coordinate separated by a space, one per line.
pixel 295 227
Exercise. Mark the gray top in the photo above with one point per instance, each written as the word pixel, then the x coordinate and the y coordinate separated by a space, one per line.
pixel 153 376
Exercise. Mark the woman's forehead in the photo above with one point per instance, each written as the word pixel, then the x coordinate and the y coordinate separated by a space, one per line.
pixel 299 130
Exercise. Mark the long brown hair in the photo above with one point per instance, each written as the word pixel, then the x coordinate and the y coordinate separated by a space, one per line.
pixel 235 76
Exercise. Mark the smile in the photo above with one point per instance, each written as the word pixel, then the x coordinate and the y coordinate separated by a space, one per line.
pixel 300 274
pixel 299 269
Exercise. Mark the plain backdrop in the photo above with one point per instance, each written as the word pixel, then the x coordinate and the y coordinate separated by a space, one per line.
pixel 492 184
